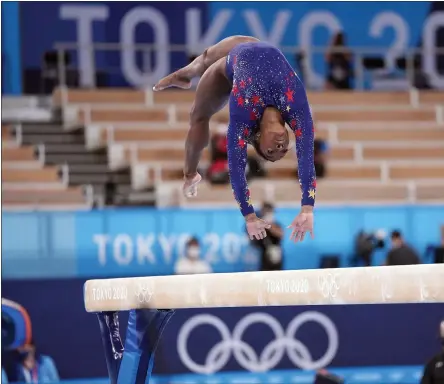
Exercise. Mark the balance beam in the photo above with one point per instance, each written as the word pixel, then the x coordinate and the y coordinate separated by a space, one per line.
pixel 366 285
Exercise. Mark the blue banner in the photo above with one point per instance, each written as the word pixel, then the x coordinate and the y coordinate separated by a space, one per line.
pixel 228 343
pixel 121 23
pixel 11 66
pixel 391 26
pixel 130 242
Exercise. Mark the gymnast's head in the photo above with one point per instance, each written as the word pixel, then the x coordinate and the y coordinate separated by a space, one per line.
pixel 272 140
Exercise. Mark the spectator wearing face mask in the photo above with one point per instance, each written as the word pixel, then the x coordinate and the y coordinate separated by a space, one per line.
pixel 434 369
pixel 34 367
pixel 401 253
pixel 271 247
pixel 192 262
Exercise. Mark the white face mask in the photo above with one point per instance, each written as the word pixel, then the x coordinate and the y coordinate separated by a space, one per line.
pixel 193 252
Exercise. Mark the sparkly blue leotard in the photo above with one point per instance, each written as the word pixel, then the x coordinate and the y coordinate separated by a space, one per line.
pixel 262 77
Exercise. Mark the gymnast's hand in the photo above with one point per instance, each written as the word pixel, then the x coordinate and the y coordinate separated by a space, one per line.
pixel 179 79
pixel 190 185
pixel 256 227
pixel 302 223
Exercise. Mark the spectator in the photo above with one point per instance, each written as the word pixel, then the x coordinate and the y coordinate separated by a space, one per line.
pixel 301 64
pixel 434 369
pixel 401 253
pixel 271 247
pixel 218 170
pixel 320 157
pixel 192 263
pixel 33 367
pixel 338 59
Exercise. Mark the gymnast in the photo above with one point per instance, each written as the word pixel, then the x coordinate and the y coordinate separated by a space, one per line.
pixel 264 93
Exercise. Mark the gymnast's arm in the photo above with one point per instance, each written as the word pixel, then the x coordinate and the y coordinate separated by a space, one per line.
pixel 237 161
pixel 182 78
pixel 301 122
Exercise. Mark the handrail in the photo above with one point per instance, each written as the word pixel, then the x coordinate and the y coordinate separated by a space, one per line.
pixel 89 194
pixel 64 168
pixel 111 46
pixel 18 134
pixel 357 55
pixel 269 191
pixel 440 114
pixel 41 153
pixel 357 145
pixel 172 108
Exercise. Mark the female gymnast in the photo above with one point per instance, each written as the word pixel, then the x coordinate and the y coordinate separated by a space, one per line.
pixel 264 93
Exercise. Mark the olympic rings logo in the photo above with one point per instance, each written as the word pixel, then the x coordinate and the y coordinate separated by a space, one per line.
pixel 328 285
pixel 143 293
pixel 246 356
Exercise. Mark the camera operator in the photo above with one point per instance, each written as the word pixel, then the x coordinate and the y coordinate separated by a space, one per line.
pixel 401 253
pixel 365 244
pixel 434 369
pixel 270 247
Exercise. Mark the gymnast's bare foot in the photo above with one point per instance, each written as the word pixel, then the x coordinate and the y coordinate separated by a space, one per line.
pixel 190 185
pixel 179 79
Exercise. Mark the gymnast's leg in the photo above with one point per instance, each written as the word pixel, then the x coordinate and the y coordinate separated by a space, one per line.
pixel 212 95
pixel 145 327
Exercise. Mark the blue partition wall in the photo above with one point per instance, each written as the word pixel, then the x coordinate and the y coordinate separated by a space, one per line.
pixel 379 344
pixel 128 242
pixel 48 255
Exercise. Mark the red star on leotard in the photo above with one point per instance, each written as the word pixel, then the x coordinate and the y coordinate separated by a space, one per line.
pixel 291 74
pixel 255 99
pixel 240 101
pixel 314 183
pixel 246 132
pixel 253 116
pixel 241 143
pixel 289 94
pixel 248 193
pixel 242 84
pixel 298 133
pixel 234 60
pixel 235 90
pixel 293 123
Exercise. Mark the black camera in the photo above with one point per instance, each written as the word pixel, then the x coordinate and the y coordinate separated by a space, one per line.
pixel 366 243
